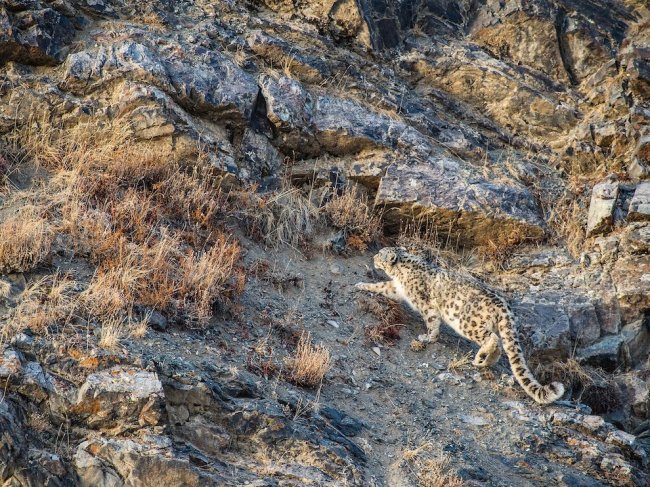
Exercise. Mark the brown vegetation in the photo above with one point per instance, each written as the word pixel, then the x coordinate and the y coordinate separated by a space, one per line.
pixel 26 239
pixel 390 318
pixel 309 364
pixel 351 213
pixel 430 470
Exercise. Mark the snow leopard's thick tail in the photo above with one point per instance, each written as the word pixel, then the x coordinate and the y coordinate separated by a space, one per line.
pixel 542 394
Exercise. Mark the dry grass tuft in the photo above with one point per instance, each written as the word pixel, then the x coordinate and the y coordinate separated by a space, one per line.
pixel 567 215
pixel 390 316
pixel 309 364
pixel 203 277
pixel 417 346
pixel 25 241
pixel 48 302
pixel 499 250
pixel 111 331
pixel 434 472
pixel 151 227
pixel 352 214
pixel 570 372
pixel 591 386
pixel 5 289
pixel 430 470
pixel 461 362
pixel 287 217
pixel 382 333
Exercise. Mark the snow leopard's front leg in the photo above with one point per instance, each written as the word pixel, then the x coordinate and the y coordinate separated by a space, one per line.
pixel 386 288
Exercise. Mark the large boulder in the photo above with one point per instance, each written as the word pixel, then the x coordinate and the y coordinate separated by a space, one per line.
pixel 466 209
pixel 640 203
pixel 601 208
pixel 33 33
pixel 152 462
pixel 631 277
pixel 202 81
pixel 119 399
pixel 517 98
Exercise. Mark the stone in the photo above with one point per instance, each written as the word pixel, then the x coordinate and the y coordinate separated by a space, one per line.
pixel 34 34
pixel 638 169
pixel 260 160
pixel 638 71
pixel 631 279
pixel 636 336
pixel 305 66
pixel 474 420
pixel 366 168
pixel 636 392
pixel 636 239
pixel 12 439
pixel 640 203
pixel 289 108
pixel 10 364
pixel 120 398
pixel 607 353
pixel 360 128
pixel 546 325
pixel 114 462
pixel 201 81
pixel 642 150
pixel 466 210
pixel 517 102
pixel 601 208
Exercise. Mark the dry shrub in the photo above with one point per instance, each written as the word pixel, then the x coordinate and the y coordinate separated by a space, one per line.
pixel 25 241
pixel 309 364
pixel 390 316
pixel 460 362
pixel 586 384
pixel 382 333
pixel 567 215
pixel 434 472
pixel 287 217
pixel 430 470
pixel 420 237
pixel 351 213
pixel 204 277
pixel 499 249
pixel 50 301
pixel 193 197
pixel 92 147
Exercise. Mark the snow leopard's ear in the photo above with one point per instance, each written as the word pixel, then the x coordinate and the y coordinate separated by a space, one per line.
pixel 391 255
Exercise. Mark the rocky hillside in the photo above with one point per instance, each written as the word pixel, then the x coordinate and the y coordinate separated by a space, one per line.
pixel 189 191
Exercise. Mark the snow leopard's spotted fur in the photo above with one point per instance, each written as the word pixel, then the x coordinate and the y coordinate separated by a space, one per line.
pixel 469 307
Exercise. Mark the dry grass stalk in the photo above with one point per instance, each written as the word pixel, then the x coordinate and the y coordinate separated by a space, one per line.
pixel 47 302
pixel 286 217
pixel 460 362
pixel 431 470
pixel 112 329
pixel 309 364
pixel 390 316
pixel 351 213
pixel 25 241
pixel 204 277
pixel 588 385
